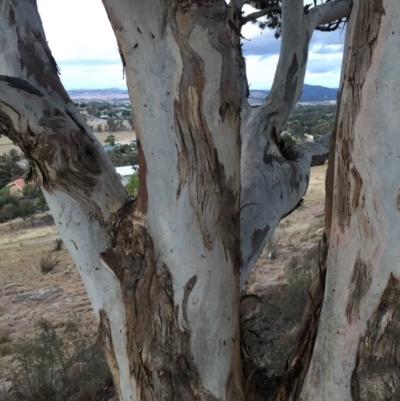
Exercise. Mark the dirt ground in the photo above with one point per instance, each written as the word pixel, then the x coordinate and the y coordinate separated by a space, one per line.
pixel 296 234
pixel 27 295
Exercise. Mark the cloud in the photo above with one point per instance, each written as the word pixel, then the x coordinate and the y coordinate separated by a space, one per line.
pixel 265 44
pixel 102 76
pixel 84 45
pixel 88 62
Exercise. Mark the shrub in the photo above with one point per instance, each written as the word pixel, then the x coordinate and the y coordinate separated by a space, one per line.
pixel 4 335
pixel 133 185
pixel 288 140
pixel 5 191
pixel 58 245
pixel 59 368
pixel 5 349
pixel 47 263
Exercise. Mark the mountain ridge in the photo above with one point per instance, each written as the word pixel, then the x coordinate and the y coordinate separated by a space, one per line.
pixel 310 93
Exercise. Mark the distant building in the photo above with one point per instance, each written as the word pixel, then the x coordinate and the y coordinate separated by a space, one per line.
pixel 125 172
pixel 16 187
pixel 23 163
pixel 309 138
pixel 108 148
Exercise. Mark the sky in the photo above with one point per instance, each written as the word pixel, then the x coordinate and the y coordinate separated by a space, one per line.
pixel 85 49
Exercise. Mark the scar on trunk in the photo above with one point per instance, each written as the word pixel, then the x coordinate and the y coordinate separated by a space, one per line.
pixel 358 185
pixel 187 290
pixel 360 282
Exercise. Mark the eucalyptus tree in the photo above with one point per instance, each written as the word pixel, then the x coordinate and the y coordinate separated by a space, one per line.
pixel 164 271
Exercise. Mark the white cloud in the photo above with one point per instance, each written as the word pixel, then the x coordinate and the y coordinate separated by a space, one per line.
pixel 84 46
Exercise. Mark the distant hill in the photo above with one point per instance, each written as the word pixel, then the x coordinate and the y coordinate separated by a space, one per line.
pixel 311 93
pixel 108 94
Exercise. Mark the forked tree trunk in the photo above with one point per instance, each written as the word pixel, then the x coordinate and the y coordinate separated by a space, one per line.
pixel 162 272
pixel 354 351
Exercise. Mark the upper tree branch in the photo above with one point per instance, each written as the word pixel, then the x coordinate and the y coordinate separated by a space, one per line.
pixel 274 181
pixel 39 117
pixel 261 13
pixel 329 12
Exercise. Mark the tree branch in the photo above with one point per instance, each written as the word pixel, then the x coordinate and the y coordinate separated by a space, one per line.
pixel 274 180
pixel 258 14
pixel 330 11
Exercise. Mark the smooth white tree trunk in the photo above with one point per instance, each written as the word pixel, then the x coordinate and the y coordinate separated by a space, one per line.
pixel 354 349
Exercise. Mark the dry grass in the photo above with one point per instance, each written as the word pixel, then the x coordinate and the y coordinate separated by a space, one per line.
pixel 297 233
pixel 22 248
pixel 20 275
pixel 27 234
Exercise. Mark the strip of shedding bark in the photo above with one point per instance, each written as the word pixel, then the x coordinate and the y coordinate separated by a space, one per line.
pixel 158 351
pixel 359 285
pixel 72 169
pixel 377 372
pixel 199 163
pixel 364 40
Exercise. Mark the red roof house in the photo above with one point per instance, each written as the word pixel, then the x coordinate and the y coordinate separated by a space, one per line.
pixel 16 187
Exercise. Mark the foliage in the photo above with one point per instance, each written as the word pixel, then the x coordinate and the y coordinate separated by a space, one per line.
pixel 58 245
pixel 55 367
pixel 9 169
pixel 288 140
pixel 48 263
pixel 4 335
pixel 31 191
pixel 110 140
pixel 8 212
pixel 314 120
pixel 271 20
pixel 24 207
pixel 13 155
pixel 4 191
pixel 5 349
pixel 41 204
pixel 118 158
pixel 133 185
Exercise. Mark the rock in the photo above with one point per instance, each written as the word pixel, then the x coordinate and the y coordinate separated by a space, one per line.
pixel 7 393
pixel 41 295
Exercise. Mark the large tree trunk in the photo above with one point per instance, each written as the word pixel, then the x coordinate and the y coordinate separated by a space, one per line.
pixel 162 271
pixel 354 351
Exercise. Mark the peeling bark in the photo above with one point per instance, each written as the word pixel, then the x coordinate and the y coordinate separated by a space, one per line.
pixel 377 371
pixel 354 355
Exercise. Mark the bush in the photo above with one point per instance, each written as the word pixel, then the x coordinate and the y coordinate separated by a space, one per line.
pixel 31 191
pixel 133 185
pixel 4 191
pixel 59 368
pixel 47 263
pixel 4 335
pixel 288 140
pixel 5 349
pixel 58 245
